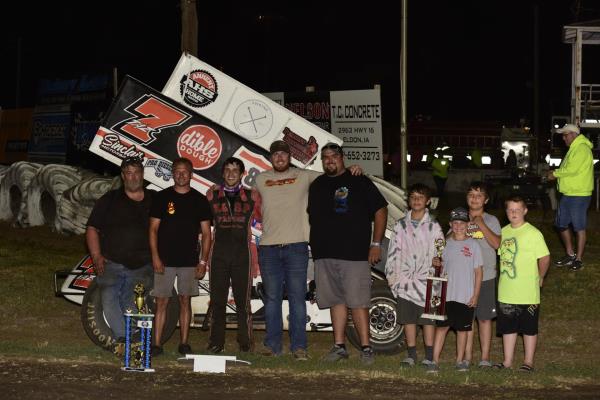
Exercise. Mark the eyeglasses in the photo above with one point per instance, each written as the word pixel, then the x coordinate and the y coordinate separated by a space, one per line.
pixel 132 161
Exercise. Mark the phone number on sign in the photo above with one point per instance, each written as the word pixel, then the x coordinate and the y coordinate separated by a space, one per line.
pixel 361 155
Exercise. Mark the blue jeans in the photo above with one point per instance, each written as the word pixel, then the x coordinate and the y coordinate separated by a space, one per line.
pixel 116 286
pixel 284 265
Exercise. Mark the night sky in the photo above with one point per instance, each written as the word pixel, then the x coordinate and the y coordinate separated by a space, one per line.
pixel 468 60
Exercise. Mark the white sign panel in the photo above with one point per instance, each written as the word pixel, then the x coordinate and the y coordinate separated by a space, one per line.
pixel 356 119
pixel 222 99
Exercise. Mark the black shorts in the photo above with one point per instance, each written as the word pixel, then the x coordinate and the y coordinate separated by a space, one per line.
pixel 517 318
pixel 460 316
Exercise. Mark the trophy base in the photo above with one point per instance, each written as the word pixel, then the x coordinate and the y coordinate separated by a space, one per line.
pixel 434 316
pixel 131 369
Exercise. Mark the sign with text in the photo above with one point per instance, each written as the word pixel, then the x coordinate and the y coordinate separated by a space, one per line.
pixel 356 119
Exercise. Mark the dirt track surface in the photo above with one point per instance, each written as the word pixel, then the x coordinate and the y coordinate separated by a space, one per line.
pixel 27 379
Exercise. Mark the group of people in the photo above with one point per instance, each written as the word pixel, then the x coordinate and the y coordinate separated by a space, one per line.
pixel 137 236
pixel 474 240
pixel 468 259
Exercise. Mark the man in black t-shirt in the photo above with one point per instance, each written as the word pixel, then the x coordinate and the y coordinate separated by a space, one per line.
pixel 341 208
pixel 117 239
pixel 179 213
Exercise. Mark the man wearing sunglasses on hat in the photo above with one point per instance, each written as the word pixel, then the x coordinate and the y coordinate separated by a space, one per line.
pixel 341 208
pixel 575 178
pixel 283 250
pixel 117 239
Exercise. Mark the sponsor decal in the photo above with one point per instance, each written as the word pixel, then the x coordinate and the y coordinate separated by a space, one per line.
pixel 201 145
pixel 150 116
pixel 302 149
pixel 83 281
pixel 253 119
pixel 112 144
pixel 162 168
pixel 198 88
pixel 280 182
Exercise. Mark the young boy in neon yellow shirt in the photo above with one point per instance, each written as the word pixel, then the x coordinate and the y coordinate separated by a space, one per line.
pixel 524 261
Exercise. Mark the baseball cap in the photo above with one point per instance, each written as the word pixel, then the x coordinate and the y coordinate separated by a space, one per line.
pixel 459 214
pixel 568 128
pixel 279 145
pixel 135 161
pixel 333 146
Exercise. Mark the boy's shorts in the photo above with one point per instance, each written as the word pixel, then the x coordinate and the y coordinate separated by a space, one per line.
pixel 517 318
pixel 410 313
pixel 460 317
pixel 486 306
pixel 187 284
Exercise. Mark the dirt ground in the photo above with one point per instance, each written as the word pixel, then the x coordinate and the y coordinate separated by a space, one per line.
pixel 30 379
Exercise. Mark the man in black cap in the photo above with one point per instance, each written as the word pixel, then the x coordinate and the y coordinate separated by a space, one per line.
pixel 283 250
pixel 341 208
pixel 117 239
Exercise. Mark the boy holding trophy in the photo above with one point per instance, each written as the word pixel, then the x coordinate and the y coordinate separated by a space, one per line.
pixel 462 262
pixel 412 246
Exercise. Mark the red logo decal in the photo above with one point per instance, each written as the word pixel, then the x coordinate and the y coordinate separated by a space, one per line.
pixel 201 144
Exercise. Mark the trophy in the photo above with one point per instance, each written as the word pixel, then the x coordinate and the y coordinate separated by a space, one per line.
pixel 138 334
pixel 435 304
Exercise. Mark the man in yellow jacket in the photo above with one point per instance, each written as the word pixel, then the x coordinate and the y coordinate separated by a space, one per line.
pixel 576 182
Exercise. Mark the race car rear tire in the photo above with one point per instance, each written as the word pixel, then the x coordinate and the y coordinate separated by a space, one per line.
pixel 98 330
pixel 387 335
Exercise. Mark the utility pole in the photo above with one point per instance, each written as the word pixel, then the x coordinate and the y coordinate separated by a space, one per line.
pixel 403 141
pixel 189 27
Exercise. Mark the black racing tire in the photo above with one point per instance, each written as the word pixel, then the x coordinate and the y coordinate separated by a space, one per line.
pixel 387 335
pixel 98 330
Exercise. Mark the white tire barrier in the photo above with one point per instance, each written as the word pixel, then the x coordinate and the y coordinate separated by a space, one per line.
pixel 76 203
pixel 13 192
pixel 45 191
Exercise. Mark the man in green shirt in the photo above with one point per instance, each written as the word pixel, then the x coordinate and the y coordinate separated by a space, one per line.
pixel 575 182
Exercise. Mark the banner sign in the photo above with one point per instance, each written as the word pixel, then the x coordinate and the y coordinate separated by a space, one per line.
pixel 356 119
pixel 50 132
pixel 251 115
pixel 143 122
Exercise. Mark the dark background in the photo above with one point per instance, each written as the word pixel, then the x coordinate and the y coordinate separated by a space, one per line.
pixel 467 60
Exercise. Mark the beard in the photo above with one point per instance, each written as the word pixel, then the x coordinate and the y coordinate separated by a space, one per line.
pixel 133 186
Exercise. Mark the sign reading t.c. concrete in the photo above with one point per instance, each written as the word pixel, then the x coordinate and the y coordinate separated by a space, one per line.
pixel 352 115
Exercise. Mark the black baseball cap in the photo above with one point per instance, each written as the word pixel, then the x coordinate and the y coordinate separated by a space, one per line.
pixel 459 214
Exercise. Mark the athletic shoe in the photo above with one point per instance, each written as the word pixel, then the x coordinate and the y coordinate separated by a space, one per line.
pixel 184 349
pixel 215 349
pixel 245 348
pixel 566 261
pixel 462 366
pixel 408 362
pixel 576 265
pixel 300 355
pixel 432 368
pixel 267 352
pixel 336 353
pixel 426 362
pixel 157 350
pixel 484 364
pixel 367 356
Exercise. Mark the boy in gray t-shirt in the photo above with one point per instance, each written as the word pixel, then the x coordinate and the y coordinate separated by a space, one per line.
pixel 462 262
pixel 485 229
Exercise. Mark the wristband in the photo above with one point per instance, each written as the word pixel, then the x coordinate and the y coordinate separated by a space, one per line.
pixel 375 244
pixel 202 262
